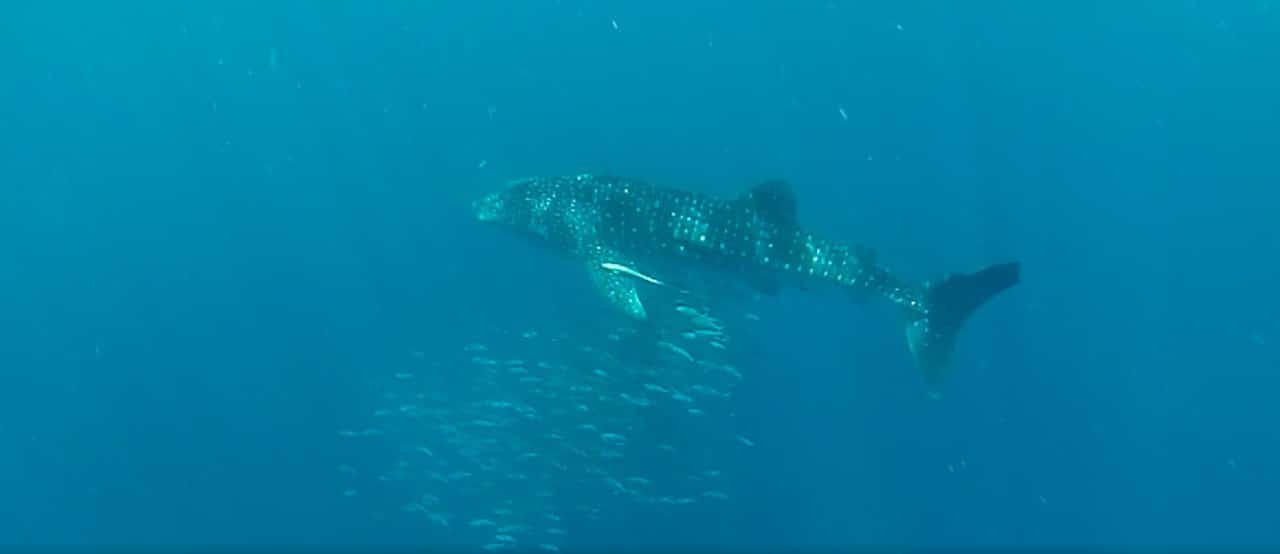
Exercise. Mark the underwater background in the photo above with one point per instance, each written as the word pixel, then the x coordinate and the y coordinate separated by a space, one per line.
pixel 224 225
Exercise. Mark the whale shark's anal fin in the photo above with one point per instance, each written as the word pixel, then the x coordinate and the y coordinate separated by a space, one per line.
pixel 619 289
pixel 948 303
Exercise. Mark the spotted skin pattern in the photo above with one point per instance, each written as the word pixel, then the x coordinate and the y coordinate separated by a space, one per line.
pixel 592 216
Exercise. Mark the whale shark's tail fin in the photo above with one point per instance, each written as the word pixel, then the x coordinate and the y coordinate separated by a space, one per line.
pixel 931 334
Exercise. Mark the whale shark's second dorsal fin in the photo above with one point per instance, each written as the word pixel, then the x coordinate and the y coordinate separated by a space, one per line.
pixel 774 201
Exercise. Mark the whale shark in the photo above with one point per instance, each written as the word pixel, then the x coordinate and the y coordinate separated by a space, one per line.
pixel 627 232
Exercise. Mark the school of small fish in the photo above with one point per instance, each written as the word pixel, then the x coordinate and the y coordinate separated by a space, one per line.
pixel 519 437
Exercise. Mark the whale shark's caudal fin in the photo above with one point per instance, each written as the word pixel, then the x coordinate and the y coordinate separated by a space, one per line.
pixel 948 302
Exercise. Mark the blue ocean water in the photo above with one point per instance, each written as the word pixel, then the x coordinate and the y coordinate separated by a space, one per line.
pixel 221 220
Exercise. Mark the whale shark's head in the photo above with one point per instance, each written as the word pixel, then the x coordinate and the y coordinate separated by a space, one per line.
pixel 492 208
pixel 524 206
pixel 510 207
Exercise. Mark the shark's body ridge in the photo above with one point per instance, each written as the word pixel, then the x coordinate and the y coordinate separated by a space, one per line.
pixel 620 226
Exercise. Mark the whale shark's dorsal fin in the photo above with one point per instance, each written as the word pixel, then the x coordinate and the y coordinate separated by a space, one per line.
pixel 774 201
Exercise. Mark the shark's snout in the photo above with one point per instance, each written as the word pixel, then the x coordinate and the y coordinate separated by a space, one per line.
pixel 488 208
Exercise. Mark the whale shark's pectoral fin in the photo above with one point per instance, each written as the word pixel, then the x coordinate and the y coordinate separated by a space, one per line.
pixel 619 288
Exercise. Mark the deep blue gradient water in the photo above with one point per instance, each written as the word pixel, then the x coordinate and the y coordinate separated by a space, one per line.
pixel 219 220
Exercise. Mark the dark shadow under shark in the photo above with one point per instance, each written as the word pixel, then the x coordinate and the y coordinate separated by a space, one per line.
pixel 632 234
